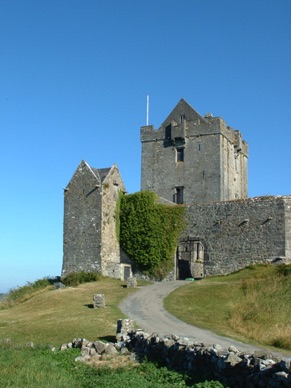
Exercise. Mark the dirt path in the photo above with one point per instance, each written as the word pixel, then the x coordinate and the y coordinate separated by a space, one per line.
pixel 146 308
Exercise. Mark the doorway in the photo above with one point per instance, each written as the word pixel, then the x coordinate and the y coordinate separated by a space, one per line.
pixel 190 259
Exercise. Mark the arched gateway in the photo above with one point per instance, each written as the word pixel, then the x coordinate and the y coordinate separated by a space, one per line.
pixel 190 259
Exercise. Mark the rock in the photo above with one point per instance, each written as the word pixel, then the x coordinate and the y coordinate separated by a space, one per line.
pixel 280 376
pixel 83 358
pixel 262 354
pixel 85 351
pixel 232 359
pixel 131 282
pixel 184 341
pixel 233 368
pixel 124 326
pixel 85 342
pixel 98 301
pixel 124 351
pixel 217 347
pixel 99 346
pixel 285 364
pixel 77 343
pixel 111 349
pixel 6 341
pixel 92 352
pixel 233 349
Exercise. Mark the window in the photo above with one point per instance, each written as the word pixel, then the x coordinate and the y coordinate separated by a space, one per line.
pixel 179 195
pixel 182 118
pixel 180 154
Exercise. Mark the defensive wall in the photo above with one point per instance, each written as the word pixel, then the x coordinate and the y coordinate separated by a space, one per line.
pixel 238 233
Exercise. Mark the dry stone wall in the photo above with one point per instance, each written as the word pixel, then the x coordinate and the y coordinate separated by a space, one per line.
pixel 229 366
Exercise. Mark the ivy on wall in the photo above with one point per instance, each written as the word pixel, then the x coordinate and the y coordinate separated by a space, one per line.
pixel 149 232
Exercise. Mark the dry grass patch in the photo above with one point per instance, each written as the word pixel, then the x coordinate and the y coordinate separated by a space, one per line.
pixel 252 305
pixel 58 316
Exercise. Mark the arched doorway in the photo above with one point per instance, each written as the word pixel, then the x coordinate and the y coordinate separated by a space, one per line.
pixel 190 259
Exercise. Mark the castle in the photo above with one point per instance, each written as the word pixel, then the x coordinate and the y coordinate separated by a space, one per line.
pixel 192 160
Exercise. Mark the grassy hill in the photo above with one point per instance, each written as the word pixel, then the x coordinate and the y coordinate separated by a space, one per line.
pixel 252 305
pixel 50 316
pixel 55 316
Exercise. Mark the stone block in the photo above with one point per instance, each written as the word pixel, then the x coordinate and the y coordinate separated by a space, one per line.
pixel 98 301
pixel 100 346
pixel 131 282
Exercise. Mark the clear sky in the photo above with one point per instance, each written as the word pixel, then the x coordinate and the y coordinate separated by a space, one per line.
pixel 74 75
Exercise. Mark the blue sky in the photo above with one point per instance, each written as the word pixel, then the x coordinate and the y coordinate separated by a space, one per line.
pixel 74 75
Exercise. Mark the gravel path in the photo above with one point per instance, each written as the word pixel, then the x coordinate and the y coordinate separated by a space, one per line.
pixel 146 308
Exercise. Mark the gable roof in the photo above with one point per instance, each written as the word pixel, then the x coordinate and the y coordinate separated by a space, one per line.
pixel 183 109
pixel 101 172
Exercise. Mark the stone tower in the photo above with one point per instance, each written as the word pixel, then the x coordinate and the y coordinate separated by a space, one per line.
pixel 90 241
pixel 194 159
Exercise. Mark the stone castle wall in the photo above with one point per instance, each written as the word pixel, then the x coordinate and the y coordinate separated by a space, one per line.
pixel 238 233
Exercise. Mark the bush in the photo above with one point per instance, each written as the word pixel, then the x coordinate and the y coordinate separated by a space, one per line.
pixel 149 231
pixel 75 278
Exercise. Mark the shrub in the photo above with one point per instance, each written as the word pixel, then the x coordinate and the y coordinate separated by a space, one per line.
pixel 149 231
pixel 75 278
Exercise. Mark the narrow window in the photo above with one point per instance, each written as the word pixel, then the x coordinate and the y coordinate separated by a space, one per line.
pixel 182 118
pixel 180 154
pixel 179 195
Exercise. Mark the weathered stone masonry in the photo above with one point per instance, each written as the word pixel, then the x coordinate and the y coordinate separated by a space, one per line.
pixel 191 158
pixel 90 242
pixel 229 366
pixel 196 161
pixel 238 233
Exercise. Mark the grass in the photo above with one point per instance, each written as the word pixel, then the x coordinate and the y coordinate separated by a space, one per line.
pixel 250 305
pixel 41 367
pixel 56 316
pixel 253 304
pixel 21 294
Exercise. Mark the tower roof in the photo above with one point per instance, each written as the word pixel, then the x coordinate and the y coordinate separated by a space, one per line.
pixel 185 111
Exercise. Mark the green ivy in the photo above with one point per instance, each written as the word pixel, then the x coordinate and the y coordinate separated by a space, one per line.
pixel 149 231
pixel 117 215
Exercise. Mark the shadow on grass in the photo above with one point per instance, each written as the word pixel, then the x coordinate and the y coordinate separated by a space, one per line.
pixel 89 305
pixel 108 338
